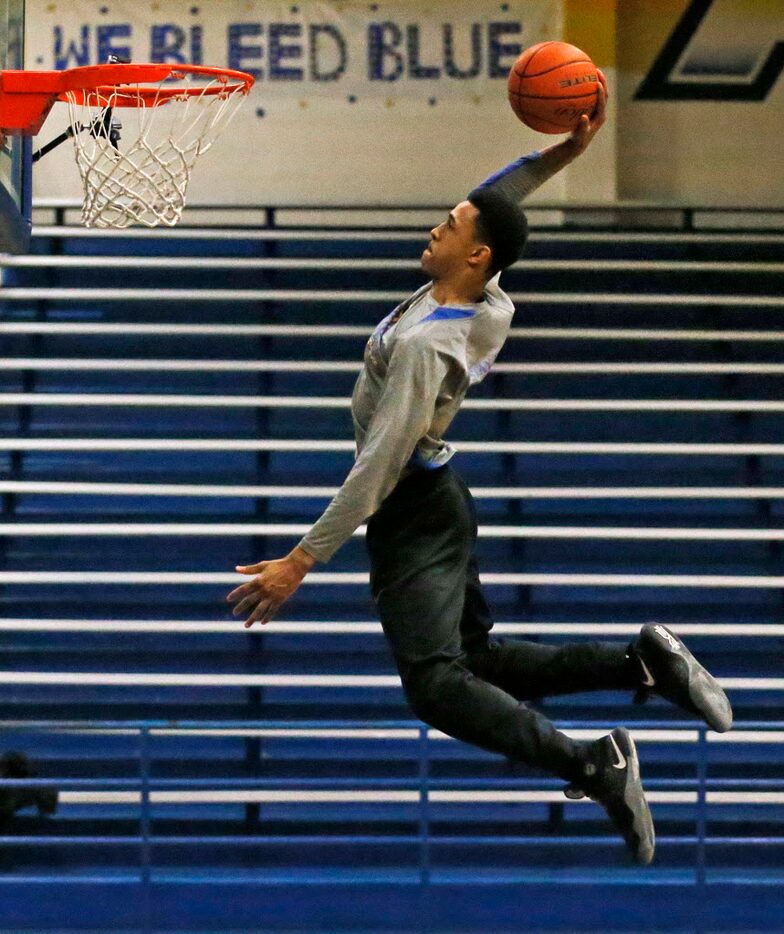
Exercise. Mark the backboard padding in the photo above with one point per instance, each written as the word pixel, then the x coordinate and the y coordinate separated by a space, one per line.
pixel 14 153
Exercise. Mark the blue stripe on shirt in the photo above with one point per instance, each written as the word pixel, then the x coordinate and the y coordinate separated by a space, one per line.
pixel 416 461
pixel 501 173
pixel 445 312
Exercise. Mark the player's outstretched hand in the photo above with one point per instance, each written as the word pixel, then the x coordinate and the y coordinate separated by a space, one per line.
pixel 274 583
pixel 588 127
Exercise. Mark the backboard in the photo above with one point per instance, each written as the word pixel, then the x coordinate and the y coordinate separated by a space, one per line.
pixel 15 150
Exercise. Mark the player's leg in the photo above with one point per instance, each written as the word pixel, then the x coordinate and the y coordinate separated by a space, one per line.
pixel 420 543
pixel 528 670
pixel 656 662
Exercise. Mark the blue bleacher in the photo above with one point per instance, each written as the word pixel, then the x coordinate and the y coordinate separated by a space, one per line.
pixel 275 778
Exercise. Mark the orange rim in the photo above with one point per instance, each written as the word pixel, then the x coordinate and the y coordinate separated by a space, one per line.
pixel 119 85
pixel 26 97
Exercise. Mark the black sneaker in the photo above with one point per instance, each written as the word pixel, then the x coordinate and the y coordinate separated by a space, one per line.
pixel 612 779
pixel 668 668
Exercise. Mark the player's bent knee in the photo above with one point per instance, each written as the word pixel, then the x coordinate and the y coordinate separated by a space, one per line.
pixel 428 689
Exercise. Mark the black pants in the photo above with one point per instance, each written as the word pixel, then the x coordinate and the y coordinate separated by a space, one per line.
pixel 425 582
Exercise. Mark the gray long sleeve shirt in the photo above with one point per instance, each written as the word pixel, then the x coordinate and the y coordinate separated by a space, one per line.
pixel 415 376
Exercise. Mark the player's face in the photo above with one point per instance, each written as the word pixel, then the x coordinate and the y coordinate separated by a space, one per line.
pixel 452 242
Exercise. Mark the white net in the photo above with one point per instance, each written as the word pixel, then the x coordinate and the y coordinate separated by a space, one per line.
pixel 136 147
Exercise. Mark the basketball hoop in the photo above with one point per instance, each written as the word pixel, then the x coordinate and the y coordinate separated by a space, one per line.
pixel 135 170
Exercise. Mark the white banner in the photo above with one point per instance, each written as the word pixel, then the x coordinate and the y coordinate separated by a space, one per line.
pixel 391 103
pixel 327 49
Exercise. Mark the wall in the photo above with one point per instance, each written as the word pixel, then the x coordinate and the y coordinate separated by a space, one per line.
pixel 393 102
pixel 707 125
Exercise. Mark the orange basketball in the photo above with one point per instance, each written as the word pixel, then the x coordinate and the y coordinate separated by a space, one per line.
pixel 551 85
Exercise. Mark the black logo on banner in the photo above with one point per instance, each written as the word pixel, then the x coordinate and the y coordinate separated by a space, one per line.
pixel 750 82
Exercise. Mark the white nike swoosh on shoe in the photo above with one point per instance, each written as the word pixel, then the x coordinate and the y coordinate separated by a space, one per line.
pixel 621 763
pixel 648 680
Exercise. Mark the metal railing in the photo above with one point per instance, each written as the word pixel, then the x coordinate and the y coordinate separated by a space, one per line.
pixel 683 217
pixel 422 790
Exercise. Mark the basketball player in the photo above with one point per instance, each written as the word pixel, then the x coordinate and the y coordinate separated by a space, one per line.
pixel 421 530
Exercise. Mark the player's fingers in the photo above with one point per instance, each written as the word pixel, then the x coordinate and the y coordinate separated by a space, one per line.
pixel 257 614
pixel 271 612
pixel 244 605
pixel 240 592
pixel 601 103
pixel 250 568
pixel 581 129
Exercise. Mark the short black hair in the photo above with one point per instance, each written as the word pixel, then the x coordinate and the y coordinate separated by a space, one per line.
pixel 501 224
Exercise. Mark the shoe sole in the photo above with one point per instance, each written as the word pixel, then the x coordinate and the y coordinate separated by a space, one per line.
pixel 634 801
pixel 706 695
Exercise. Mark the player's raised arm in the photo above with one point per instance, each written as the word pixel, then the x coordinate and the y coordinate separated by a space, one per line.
pixel 518 179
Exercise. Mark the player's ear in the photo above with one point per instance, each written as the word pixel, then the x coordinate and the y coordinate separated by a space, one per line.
pixel 479 255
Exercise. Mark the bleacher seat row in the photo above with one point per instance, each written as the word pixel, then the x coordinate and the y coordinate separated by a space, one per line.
pixel 175 402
